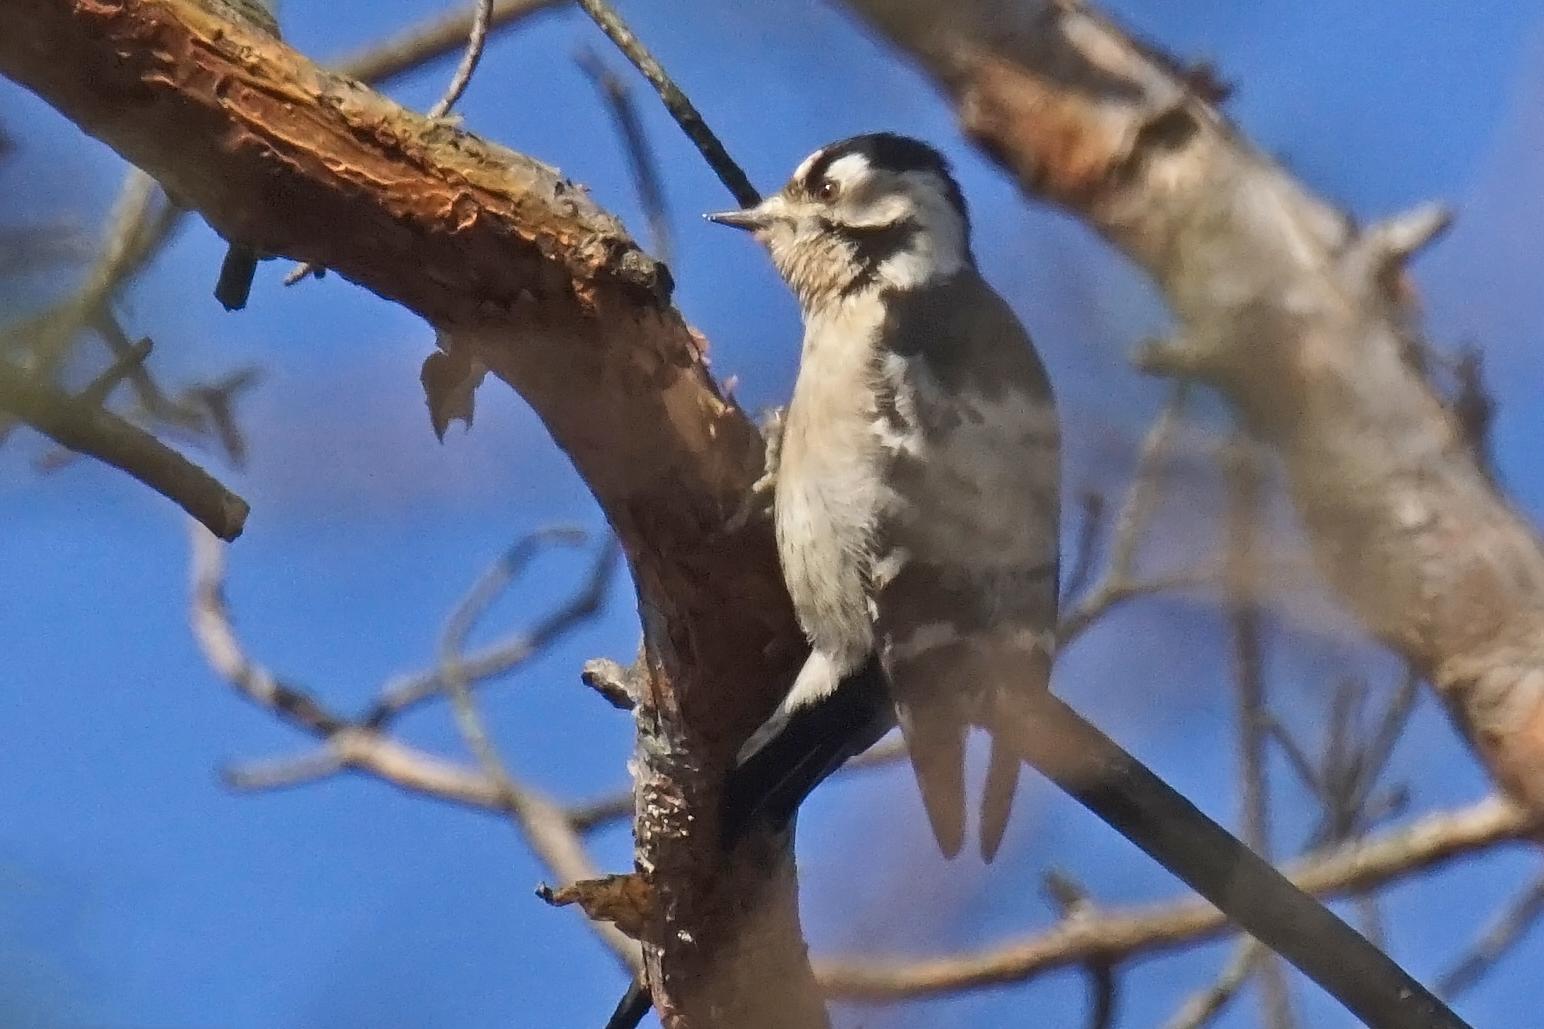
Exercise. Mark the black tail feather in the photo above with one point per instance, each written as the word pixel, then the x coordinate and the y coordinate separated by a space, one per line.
pixel 935 737
pixel 635 1003
pixel 768 787
pixel 1002 779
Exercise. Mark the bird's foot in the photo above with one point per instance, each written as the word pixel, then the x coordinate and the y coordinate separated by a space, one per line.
pixel 757 502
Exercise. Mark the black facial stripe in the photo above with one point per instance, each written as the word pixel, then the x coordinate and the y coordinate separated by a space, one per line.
pixel 889 152
pixel 872 246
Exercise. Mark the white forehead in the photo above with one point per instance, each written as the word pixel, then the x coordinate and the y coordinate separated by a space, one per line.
pixel 804 168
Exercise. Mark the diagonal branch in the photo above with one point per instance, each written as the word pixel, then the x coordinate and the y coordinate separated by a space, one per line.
pixel 85 427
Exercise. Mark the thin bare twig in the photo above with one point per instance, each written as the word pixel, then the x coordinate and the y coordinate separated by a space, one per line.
pixel 89 429
pixel 1118 582
pixel 1242 584
pixel 401 695
pixel 1072 901
pixel 379 63
pixel 680 108
pixel 477 38
pixel 640 156
pixel 1373 758
pixel 1515 920
pixel 512 651
pixel 1204 1005
pixel 285 772
pixel 1108 595
pixel 1091 509
pixel 1142 497
pixel 147 394
pixel 127 364
pixel 140 221
pixel 483 593
pixel 543 824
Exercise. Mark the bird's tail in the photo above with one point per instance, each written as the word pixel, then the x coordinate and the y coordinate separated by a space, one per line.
pixel 770 784
pixel 1002 779
pixel 635 1003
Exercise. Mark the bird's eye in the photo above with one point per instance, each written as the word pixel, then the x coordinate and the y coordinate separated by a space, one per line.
pixel 827 191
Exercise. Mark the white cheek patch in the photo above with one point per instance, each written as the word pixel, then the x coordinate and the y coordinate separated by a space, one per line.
pixel 939 247
pixel 891 209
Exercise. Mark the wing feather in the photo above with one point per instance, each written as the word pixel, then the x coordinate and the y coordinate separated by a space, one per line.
pixel 967 543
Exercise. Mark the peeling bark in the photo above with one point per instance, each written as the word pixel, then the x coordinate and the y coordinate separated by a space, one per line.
pixel 1296 314
pixel 501 254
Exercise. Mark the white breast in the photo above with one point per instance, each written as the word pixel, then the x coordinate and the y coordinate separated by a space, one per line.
pixel 828 484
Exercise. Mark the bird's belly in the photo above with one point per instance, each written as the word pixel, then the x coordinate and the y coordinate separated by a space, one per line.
pixel 824 537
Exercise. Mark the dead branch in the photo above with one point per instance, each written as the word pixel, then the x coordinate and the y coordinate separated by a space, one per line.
pixel 84 426
pixel 1204 1005
pixel 543 824
pixel 1115 935
pixel 1295 314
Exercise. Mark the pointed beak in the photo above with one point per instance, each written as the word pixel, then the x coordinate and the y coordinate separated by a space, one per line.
pixel 749 219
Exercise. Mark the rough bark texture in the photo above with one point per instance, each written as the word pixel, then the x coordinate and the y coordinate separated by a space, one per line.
pixel 503 255
pixel 1296 314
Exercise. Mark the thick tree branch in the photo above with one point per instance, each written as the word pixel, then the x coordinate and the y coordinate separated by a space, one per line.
pixel 516 264
pixel 1293 312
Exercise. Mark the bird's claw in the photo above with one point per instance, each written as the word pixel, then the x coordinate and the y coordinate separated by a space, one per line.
pixel 757 502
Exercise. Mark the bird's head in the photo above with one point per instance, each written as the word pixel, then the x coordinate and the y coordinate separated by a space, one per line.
pixel 879 211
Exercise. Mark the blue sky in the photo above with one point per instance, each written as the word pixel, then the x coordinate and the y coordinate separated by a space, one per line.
pixel 136 893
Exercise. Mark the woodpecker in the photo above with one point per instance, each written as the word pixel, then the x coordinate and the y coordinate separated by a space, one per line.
pixel 917 487
pixel 916 508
